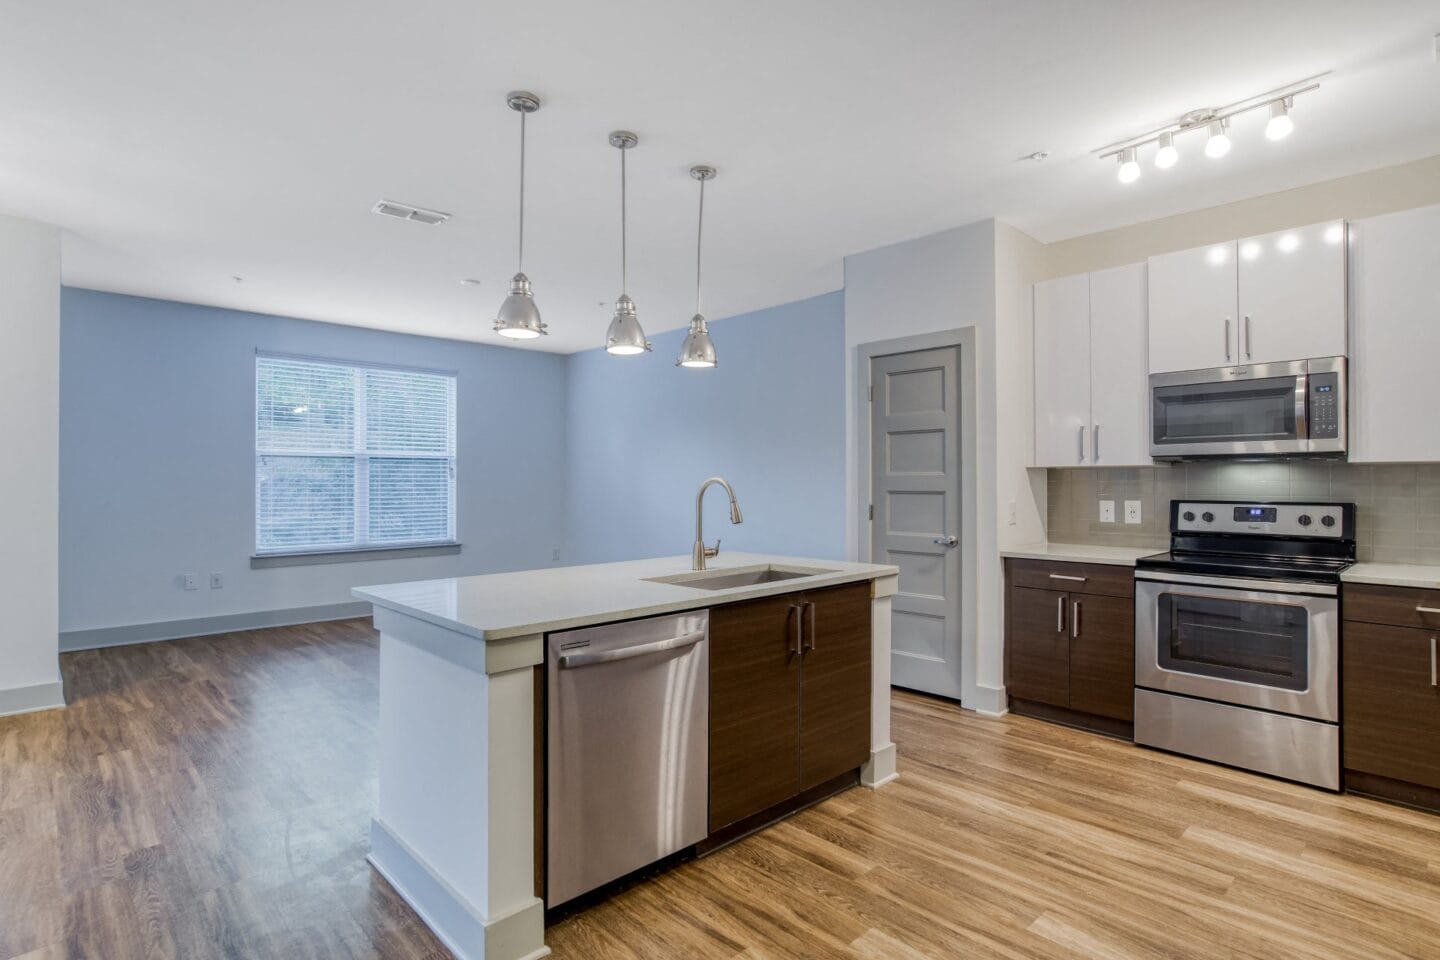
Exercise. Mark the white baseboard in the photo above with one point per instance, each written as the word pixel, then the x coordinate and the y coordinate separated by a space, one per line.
pixel 990 701
pixel 28 699
pixel 518 935
pixel 72 640
pixel 880 768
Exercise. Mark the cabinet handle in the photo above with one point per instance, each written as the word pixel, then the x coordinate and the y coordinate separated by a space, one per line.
pixel 804 647
pixel 1082 443
pixel 1434 679
pixel 1227 339
pixel 1075 620
pixel 1427 609
pixel 1059 614
pixel 1248 353
pixel 797 640
pixel 1066 576
pixel 1095 444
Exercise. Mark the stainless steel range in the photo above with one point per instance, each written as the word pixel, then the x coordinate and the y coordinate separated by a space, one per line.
pixel 1237 636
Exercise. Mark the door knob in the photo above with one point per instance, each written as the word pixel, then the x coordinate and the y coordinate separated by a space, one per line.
pixel 946 541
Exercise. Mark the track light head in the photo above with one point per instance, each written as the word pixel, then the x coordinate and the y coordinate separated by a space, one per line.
pixel 1217 144
pixel 1129 166
pixel 1166 156
pixel 1280 123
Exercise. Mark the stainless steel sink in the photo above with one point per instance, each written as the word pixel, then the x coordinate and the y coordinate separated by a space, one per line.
pixel 742 577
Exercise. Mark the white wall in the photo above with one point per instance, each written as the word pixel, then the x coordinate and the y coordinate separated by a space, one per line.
pixel 30 465
pixel 942 282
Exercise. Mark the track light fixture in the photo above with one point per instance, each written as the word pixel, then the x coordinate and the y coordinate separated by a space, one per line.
pixel 1216 124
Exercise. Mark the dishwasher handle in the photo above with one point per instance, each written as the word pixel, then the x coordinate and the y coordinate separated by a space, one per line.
pixel 572 660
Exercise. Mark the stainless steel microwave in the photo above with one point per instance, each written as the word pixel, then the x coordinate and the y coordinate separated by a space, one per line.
pixel 1257 410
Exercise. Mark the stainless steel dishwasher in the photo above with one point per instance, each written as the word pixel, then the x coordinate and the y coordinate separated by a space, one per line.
pixel 628 743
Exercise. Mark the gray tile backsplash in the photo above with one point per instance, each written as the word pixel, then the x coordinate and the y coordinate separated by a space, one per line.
pixel 1397 506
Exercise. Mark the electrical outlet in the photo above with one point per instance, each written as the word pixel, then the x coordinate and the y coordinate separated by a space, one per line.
pixel 555 554
pixel 1132 511
pixel 189 581
pixel 1107 511
pixel 217 580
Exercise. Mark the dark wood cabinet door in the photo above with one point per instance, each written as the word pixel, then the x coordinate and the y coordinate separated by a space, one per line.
pixel 1392 710
pixel 1037 648
pixel 754 707
pixel 1102 656
pixel 835 683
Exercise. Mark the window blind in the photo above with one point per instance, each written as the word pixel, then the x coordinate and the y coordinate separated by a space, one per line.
pixel 349 457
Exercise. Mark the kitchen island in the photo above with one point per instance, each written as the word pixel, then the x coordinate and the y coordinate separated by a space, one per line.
pixel 461 740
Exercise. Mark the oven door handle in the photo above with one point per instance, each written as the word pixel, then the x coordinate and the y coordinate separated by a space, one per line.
pixel 1276 587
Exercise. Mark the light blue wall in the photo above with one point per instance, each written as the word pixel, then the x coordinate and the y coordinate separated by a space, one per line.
pixel 157 459
pixel 770 418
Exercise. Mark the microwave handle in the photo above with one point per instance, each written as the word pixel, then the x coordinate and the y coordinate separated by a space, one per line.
pixel 1302 407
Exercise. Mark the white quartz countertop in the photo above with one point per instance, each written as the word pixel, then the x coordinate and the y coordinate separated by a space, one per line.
pixel 502 605
pixel 1394 575
pixel 1081 553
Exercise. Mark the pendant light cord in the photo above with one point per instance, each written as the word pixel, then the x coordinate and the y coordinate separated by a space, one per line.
pixel 699 236
pixel 520 260
pixel 624 275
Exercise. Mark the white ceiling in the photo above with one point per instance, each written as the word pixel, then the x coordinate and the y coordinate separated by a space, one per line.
pixel 183 143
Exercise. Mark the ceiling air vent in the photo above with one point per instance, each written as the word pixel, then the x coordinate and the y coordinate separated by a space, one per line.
pixel 403 211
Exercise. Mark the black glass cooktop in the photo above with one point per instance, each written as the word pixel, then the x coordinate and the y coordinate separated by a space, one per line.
pixel 1248 566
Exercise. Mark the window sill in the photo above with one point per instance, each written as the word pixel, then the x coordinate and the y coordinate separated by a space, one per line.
pixel 267 560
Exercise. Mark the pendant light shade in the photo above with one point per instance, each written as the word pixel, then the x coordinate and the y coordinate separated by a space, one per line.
pixel 698 351
pixel 518 317
pixel 625 338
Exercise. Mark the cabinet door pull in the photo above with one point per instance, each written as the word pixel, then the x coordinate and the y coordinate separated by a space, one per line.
pixel 1095 444
pixel 1075 619
pixel 1082 443
pixel 1060 614
pixel 1066 576
pixel 1427 609
pixel 797 639
pixel 1434 679
pixel 1248 353
pixel 810 646
pixel 1227 339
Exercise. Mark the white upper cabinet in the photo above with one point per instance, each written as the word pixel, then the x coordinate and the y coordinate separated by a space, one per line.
pixel 1062 371
pixel 1119 386
pixel 1193 308
pixel 1395 338
pixel 1292 294
pixel 1090 380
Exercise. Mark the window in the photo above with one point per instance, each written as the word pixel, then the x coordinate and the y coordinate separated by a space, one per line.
pixel 352 457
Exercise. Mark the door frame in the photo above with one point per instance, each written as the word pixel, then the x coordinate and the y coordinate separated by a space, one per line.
pixel 962 338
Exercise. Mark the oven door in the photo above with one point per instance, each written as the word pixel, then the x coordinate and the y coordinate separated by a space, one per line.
pixel 1252 643
pixel 1255 410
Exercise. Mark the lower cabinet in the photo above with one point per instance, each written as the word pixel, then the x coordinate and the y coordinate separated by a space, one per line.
pixel 1390 679
pixel 789 697
pixel 1070 641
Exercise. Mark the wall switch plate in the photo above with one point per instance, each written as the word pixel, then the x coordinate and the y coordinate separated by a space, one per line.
pixel 1132 511
pixel 189 581
pixel 1107 511
pixel 217 580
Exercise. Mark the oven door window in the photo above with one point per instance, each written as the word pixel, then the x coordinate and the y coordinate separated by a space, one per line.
pixel 1241 410
pixel 1242 640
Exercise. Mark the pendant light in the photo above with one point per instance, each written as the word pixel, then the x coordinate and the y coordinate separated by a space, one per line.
pixel 519 318
pixel 625 338
pixel 698 351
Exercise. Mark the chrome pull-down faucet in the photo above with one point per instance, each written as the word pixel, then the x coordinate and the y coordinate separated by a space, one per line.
pixel 701 553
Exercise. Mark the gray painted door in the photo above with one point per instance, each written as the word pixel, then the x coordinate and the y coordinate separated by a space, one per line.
pixel 915 490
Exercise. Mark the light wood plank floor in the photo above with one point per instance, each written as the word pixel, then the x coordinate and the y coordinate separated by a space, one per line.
pixel 210 798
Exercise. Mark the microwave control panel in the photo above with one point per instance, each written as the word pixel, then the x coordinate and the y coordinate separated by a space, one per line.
pixel 1325 411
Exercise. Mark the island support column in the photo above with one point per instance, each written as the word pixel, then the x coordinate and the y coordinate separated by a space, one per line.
pixel 455 831
pixel 880 768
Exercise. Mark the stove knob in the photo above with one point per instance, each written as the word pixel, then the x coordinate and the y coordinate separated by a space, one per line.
pixel 1189 516
pixel 1304 520
pixel 1208 517
pixel 1327 520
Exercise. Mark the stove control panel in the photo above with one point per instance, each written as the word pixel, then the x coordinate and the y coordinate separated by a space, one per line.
pixel 1267 519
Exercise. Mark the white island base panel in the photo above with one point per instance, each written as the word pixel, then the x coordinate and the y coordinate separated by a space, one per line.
pixel 455 832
